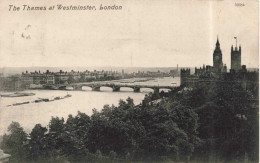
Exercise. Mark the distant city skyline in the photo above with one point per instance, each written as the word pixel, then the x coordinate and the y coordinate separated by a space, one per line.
pixel 144 34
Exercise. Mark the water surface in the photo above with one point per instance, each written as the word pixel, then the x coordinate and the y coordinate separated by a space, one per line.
pixel 84 101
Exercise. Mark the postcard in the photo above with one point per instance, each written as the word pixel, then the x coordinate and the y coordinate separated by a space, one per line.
pixel 129 81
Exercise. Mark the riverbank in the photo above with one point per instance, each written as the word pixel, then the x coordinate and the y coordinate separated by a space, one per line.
pixel 17 94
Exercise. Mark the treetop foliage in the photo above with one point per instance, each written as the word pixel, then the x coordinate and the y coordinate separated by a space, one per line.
pixel 203 124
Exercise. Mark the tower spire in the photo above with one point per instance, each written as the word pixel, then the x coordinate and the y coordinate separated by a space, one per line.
pixel 217 43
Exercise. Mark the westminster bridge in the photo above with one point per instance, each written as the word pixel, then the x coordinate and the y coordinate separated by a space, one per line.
pixel 115 87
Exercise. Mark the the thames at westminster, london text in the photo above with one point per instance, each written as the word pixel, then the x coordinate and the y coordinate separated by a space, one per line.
pixel 60 7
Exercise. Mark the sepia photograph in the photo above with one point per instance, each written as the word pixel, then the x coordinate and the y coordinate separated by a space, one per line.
pixel 129 81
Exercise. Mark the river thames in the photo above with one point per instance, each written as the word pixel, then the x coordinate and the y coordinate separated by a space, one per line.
pixel 84 101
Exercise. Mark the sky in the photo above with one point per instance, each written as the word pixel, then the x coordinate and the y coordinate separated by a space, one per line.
pixel 145 33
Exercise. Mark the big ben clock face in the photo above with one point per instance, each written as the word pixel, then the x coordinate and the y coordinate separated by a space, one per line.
pixel 216 57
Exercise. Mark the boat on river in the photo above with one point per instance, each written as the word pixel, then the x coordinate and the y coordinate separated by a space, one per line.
pixel 68 95
pixel 57 98
pixel 42 100
pixel 37 101
pixel 45 99
pixel 21 103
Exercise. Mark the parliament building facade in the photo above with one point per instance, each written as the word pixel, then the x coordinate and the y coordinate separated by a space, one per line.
pixel 218 72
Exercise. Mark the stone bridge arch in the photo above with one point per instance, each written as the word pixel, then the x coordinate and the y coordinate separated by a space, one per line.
pixel 146 88
pixel 63 87
pixel 127 87
pixel 165 88
pixel 86 86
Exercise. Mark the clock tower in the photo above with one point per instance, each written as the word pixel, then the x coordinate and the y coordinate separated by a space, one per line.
pixel 217 58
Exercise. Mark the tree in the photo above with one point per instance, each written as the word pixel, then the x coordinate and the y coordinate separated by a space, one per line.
pixel 76 131
pixel 15 142
pixel 38 143
pixel 71 79
pixel 225 118
pixel 55 137
pixel 170 131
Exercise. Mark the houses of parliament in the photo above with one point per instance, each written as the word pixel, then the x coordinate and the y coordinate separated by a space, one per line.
pixel 218 73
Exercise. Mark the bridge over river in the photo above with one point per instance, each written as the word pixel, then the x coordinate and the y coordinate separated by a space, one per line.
pixel 115 87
